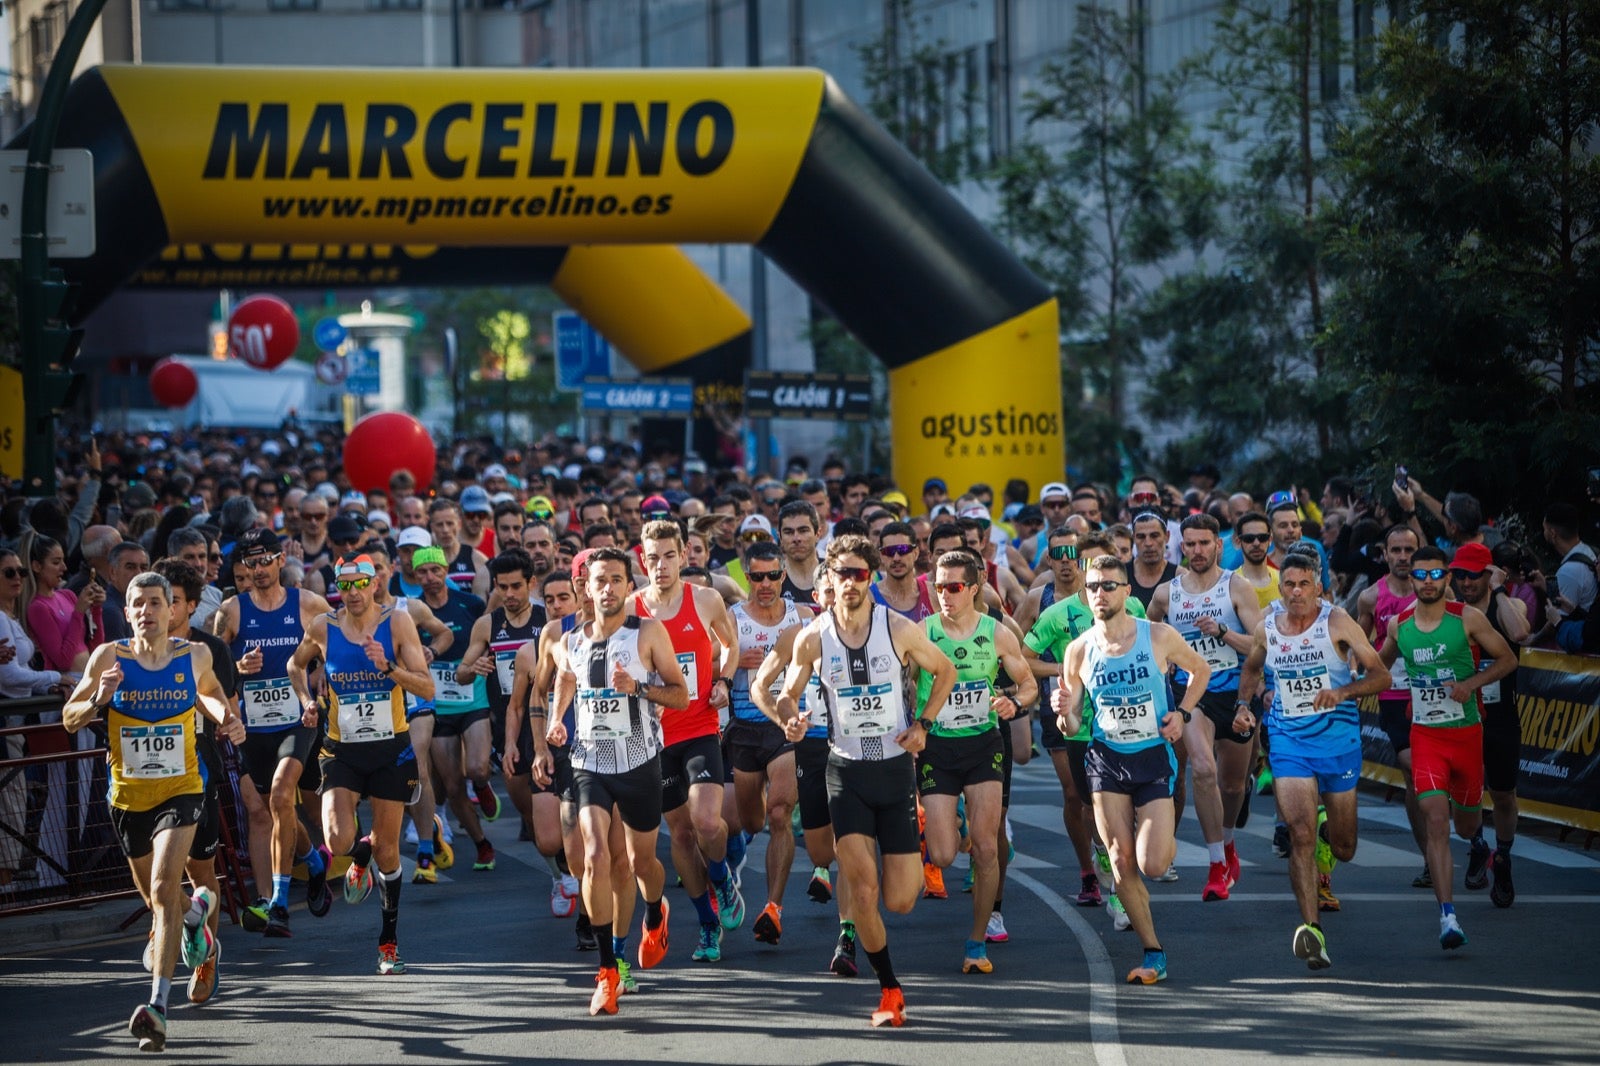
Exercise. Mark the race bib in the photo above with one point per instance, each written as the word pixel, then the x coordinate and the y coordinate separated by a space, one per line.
pixel 815 702
pixel 270 704
pixel 867 710
pixel 1431 703
pixel 446 689
pixel 505 669
pixel 602 714
pixel 1127 719
pixel 152 752
pixel 690 674
pixel 1397 675
pixel 1217 653
pixel 1297 689
pixel 365 717
pixel 967 706
pixel 1489 693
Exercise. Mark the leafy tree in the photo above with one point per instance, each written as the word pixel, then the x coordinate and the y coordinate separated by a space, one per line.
pixel 1125 197
pixel 1469 249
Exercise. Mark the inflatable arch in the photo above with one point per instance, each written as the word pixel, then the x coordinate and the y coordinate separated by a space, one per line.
pixel 589 165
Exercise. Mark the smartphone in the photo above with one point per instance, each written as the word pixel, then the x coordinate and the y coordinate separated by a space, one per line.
pixel 1594 482
pixel 1402 476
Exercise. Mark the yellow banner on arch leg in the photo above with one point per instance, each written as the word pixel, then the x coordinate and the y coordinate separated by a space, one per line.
pixel 986 409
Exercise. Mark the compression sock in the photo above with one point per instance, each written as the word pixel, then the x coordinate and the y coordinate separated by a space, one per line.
pixel 1503 847
pixel 314 862
pixel 361 852
pixel 608 954
pixel 652 917
pixel 883 967
pixel 389 904
pixel 702 907
pixel 280 890
pixel 619 945
pixel 1446 909
pixel 717 870
pixel 159 989
pixel 736 848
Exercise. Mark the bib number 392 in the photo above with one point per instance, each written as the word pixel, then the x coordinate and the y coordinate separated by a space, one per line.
pixel 867 710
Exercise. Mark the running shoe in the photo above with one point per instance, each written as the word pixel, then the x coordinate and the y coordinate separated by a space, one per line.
pixel 489 804
pixel 1170 876
pixel 1120 922
pixel 843 963
pixel 730 904
pixel 1216 883
pixel 891 1009
pixel 357 883
pixel 1326 900
pixel 485 860
pixel 203 981
pixel 444 855
pixel 1478 865
pixel 933 882
pixel 1325 859
pixel 254 916
pixel 198 939
pixel 148 960
pixel 1264 782
pixel 1280 840
pixel 607 986
pixel 585 933
pixel 1312 946
pixel 570 887
pixel 1102 860
pixel 709 949
pixel 1153 970
pixel 426 872
pixel 278 923
pixel 149 1025
pixel 653 942
pixel 1230 858
pixel 1423 880
pixel 978 963
pixel 561 904
pixel 1089 894
pixel 1502 893
pixel 627 984
pixel 769 924
pixel 319 897
pixel 389 961
pixel 995 931
pixel 821 887
pixel 1450 933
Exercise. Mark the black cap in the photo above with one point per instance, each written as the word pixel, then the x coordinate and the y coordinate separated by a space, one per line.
pixel 344 528
pixel 257 541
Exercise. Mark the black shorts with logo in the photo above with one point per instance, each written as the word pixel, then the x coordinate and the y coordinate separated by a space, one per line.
pixel 948 765
pixel 811 775
pixel 876 798
pixel 262 752
pixel 696 761
pixel 752 746
pixel 456 725
pixel 635 793
pixel 1221 707
pixel 208 830
pixel 137 830
pixel 560 784
pixel 377 769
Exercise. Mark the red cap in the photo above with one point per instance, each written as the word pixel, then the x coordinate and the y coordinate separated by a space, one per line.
pixel 578 562
pixel 1473 557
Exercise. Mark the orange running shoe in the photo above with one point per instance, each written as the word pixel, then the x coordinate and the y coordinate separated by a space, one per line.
pixel 606 985
pixel 769 926
pixel 891 1009
pixel 933 882
pixel 653 944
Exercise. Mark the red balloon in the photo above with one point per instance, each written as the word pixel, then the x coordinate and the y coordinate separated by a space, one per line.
pixel 383 443
pixel 173 384
pixel 263 332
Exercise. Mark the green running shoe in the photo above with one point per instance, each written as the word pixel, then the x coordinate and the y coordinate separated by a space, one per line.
pixel 1312 946
pixel 1325 860
pixel 627 984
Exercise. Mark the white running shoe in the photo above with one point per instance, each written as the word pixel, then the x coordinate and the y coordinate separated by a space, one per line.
pixel 995 932
pixel 569 886
pixel 411 832
pixel 561 904
pixel 1120 922
pixel 1170 876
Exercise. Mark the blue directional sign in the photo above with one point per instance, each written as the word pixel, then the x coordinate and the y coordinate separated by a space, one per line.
pixel 328 334
pixel 580 351
pixel 656 399
pixel 363 377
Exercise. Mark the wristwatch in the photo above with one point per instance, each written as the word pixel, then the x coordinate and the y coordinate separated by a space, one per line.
pixel 1186 715
pixel 388 667
pixel 927 726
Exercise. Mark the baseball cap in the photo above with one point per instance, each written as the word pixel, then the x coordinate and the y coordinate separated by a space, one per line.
pixel 694 465
pixel 1055 488
pixel 475 500
pixel 429 556
pixel 138 496
pixel 414 537
pixel 502 497
pixel 976 510
pixel 344 529
pixel 1472 557
pixel 353 499
pixel 572 470
pixel 896 497
pixel 654 505
pixel 579 561
pixel 541 506
pixel 379 518
pixel 494 470
pixel 596 454
pixel 934 483
pixel 254 542
pixel 756 523
pixel 271 447
pixel 358 566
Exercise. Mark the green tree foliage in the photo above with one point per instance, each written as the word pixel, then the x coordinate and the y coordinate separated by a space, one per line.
pixel 1110 194
pixel 1469 249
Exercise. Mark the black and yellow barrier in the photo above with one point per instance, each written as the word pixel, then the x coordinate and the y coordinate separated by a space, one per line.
pixel 591 161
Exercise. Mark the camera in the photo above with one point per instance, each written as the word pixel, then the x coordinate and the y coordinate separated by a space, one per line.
pixel 1592 485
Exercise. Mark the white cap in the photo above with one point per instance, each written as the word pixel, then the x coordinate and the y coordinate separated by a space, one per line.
pixel 976 510
pixel 943 510
pixel 415 537
pixel 572 470
pixel 494 470
pixel 270 447
pixel 374 517
pixel 758 522
pixel 353 499
pixel 328 491
pixel 502 497
pixel 596 454
pixel 1055 488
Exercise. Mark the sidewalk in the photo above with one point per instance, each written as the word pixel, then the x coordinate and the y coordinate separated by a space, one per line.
pixel 25 934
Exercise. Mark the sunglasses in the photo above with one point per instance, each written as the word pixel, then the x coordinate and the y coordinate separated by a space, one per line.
pixel 1144 497
pixel 753 536
pixel 896 551
pixel 1254 538
pixel 857 574
pixel 1278 499
pixel 11 572
pixel 259 562
pixel 772 501
pixel 1103 586
pixel 764 575
pixel 342 540
pixel 655 516
pixel 215 557
pixel 319 516
pixel 354 583
pixel 952 587
pixel 1435 574
pixel 1467 575
pixel 1064 551
pixel 544 516
pixel 1053 505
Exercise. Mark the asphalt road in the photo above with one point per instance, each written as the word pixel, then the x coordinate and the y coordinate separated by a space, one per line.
pixel 494 977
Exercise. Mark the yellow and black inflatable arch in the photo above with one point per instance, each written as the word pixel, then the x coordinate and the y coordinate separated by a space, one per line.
pixel 596 159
